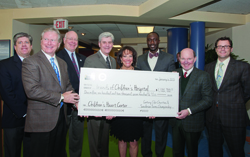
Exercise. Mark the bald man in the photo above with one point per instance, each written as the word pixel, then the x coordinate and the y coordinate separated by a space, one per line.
pixel 74 61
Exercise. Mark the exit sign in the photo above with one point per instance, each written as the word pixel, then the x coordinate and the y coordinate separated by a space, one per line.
pixel 61 24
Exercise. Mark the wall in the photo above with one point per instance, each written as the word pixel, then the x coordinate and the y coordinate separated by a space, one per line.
pixel 210 39
pixel 241 37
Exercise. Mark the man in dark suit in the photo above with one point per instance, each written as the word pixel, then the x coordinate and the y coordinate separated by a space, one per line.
pixel 155 60
pixel 227 118
pixel 195 96
pixel 14 97
pixel 178 63
pixel 98 128
pixel 47 85
pixel 74 61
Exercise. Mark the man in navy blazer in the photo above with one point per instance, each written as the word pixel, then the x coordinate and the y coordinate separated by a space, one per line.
pixel 227 118
pixel 14 97
pixel 155 60
pixel 74 61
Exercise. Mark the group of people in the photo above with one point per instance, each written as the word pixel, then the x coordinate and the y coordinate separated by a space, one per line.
pixel 40 94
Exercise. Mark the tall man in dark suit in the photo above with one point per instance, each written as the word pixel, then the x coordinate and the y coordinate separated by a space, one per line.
pixel 195 96
pixel 155 60
pixel 98 128
pixel 74 61
pixel 228 116
pixel 47 85
pixel 14 97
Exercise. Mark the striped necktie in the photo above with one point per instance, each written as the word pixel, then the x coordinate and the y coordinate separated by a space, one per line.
pixel 219 75
pixel 57 73
pixel 74 63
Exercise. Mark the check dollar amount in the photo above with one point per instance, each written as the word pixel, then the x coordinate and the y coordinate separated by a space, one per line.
pixel 106 92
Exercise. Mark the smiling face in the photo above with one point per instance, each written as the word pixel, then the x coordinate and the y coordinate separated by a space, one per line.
pixel 153 42
pixel 106 45
pixel 50 43
pixel 71 41
pixel 127 58
pixel 221 50
pixel 187 59
pixel 23 47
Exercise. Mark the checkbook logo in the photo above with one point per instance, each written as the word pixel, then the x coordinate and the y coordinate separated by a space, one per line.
pixel 90 77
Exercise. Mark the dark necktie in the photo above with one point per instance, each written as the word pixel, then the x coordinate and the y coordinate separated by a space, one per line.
pixel 107 62
pixel 74 63
pixel 57 73
pixel 151 55
pixel 185 74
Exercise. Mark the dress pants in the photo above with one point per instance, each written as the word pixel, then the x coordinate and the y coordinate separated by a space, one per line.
pixel 13 138
pixel 50 144
pixel 182 138
pixel 75 125
pixel 234 136
pixel 98 133
pixel 161 134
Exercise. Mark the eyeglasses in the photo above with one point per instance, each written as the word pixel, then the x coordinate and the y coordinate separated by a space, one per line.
pixel 226 47
pixel 70 39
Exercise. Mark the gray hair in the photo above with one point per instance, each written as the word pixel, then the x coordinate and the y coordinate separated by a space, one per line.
pixel 51 29
pixel 22 34
pixel 106 35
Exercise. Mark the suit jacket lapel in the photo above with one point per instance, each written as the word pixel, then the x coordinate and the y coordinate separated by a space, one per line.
pixel 212 71
pixel 229 71
pixel 159 60
pixel 48 65
pixel 18 62
pixel 145 59
pixel 79 60
pixel 101 59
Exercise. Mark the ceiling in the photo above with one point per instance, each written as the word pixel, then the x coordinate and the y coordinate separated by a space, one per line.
pixel 163 14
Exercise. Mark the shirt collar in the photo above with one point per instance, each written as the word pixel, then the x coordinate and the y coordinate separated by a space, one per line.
pixel 155 52
pixel 188 72
pixel 226 61
pixel 70 53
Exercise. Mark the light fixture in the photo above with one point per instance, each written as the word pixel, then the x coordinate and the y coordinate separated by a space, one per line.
pixel 83 34
pixel 70 27
pixel 81 47
pixel 117 46
pixel 145 29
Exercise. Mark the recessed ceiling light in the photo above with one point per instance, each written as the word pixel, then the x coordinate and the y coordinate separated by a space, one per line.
pixel 145 29
pixel 83 34
pixel 70 27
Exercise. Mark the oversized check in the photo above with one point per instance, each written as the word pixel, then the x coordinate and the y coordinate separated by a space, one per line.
pixel 134 93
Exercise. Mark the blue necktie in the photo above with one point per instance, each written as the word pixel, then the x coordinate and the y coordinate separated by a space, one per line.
pixel 57 73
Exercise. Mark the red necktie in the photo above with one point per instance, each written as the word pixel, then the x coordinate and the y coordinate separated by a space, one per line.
pixel 185 74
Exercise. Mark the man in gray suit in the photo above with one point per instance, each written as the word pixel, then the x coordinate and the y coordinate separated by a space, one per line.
pixel 46 83
pixel 98 127
pixel 195 96
pixel 155 60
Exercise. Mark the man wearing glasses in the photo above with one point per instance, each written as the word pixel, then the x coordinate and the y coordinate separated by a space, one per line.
pixel 227 118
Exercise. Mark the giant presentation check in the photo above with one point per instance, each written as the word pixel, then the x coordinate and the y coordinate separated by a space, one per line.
pixel 133 93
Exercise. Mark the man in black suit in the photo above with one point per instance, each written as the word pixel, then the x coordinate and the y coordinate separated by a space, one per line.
pixel 74 61
pixel 14 97
pixel 155 60
pixel 227 118
pixel 178 63
pixel 195 96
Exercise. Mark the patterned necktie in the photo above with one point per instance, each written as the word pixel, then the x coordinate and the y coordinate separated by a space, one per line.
pixel 219 75
pixel 57 73
pixel 185 74
pixel 74 63
pixel 151 55
pixel 107 62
